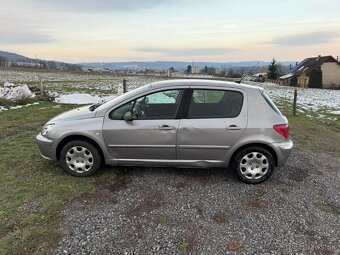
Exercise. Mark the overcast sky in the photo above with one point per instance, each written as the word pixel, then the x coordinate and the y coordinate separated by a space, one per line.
pixel 126 30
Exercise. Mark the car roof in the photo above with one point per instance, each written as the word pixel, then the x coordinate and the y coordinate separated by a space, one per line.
pixel 202 82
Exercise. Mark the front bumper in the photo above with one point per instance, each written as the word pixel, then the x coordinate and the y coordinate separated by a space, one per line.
pixel 46 148
pixel 283 150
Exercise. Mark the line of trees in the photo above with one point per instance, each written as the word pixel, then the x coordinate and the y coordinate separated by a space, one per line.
pixel 3 61
pixel 230 73
pixel 40 64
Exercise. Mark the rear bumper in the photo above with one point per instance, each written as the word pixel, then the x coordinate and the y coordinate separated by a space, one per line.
pixel 283 150
pixel 46 147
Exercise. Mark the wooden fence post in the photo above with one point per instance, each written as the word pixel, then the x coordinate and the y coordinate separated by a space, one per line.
pixel 41 86
pixel 294 102
pixel 124 86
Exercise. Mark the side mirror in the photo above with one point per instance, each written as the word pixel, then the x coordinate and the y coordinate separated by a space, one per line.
pixel 128 116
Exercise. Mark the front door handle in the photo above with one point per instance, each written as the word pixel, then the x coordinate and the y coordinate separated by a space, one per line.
pixel 166 127
pixel 233 127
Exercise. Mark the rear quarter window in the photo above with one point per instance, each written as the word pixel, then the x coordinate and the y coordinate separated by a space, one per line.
pixel 271 103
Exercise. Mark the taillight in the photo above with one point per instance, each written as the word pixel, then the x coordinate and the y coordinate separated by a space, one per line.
pixel 282 129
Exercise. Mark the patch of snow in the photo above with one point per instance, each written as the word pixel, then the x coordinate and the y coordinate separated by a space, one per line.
pixel 309 100
pixel 15 107
pixel 51 94
pixel 81 99
pixel 287 76
pixel 10 91
pixel 3 108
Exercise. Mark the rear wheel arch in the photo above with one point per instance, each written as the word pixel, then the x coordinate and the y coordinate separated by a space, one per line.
pixel 264 146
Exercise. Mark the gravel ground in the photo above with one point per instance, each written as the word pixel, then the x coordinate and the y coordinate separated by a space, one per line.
pixel 188 211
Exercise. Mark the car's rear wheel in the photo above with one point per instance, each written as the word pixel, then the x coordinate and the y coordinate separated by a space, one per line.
pixel 80 158
pixel 253 164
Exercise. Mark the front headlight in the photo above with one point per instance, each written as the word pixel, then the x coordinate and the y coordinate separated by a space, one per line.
pixel 46 128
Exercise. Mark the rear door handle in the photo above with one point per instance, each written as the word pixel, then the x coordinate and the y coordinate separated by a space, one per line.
pixel 166 127
pixel 233 127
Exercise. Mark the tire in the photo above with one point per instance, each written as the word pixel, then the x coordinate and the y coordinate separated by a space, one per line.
pixel 80 158
pixel 253 165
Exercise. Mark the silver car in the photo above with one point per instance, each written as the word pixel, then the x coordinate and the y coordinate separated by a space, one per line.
pixel 174 123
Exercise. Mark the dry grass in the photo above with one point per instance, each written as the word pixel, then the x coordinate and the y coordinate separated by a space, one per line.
pixel 220 218
pixel 235 246
pixel 150 202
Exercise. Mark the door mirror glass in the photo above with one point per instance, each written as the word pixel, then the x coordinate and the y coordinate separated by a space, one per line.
pixel 128 116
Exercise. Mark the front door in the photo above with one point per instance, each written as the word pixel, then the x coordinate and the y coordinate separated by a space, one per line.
pixel 216 119
pixel 151 135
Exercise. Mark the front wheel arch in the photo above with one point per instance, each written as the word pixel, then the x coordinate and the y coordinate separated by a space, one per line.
pixel 68 139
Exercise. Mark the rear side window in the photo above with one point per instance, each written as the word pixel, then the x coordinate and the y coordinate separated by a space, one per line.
pixel 215 104
pixel 271 103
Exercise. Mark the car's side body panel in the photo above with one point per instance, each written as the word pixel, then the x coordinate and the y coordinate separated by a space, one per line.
pixel 141 139
pixel 211 138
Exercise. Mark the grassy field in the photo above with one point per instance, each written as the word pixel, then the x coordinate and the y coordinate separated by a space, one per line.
pixel 311 132
pixel 74 82
pixel 34 191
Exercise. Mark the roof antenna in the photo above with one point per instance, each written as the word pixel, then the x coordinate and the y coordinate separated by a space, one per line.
pixel 247 73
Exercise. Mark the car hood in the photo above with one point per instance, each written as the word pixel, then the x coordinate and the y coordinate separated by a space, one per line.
pixel 75 114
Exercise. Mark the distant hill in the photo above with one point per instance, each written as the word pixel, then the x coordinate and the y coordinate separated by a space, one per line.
pixel 177 65
pixel 13 59
pixel 16 60
pixel 13 56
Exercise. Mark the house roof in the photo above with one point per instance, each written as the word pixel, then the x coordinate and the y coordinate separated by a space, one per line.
pixel 287 76
pixel 310 64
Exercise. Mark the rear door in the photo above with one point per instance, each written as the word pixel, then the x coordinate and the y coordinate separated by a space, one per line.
pixel 216 119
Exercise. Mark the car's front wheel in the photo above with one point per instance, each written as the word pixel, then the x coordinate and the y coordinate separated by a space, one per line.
pixel 253 164
pixel 80 158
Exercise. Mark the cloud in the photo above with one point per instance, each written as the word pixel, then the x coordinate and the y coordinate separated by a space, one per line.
pixel 306 39
pixel 188 52
pixel 22 37
pixel 18 28
pixel 91 6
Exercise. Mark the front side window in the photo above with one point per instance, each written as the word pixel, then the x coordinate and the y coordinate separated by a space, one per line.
pixel 215 104
pixel 159 105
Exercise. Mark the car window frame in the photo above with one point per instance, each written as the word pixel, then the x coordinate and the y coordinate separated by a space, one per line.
pixel 220 89
pixel 181 95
